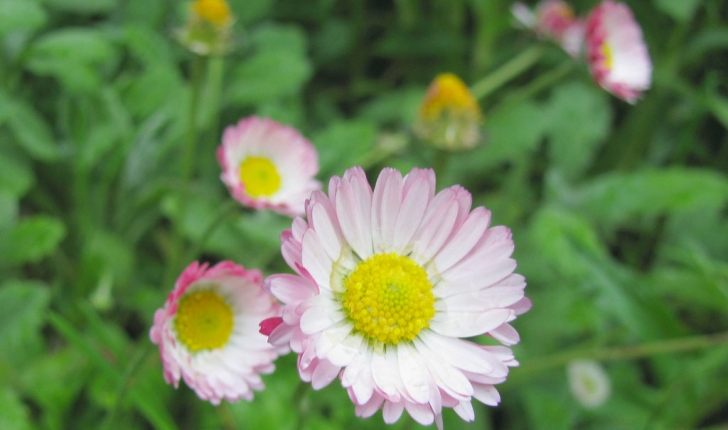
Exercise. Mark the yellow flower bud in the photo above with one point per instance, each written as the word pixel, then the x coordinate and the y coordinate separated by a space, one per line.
pixel 449 116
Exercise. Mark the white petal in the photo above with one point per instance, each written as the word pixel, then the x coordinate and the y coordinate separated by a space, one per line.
pixel 392 411
pixel 420 413
pixel 415 375
pixel 505 334
pixel 327 230
pixel 464 239
pixel 315 260
pixel 468 324
pixel 486 394
pixel 465 410
pixel 411 213
pixel 323 375
pixel 386 201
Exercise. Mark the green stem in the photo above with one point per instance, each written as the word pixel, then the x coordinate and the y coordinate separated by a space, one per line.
pixel 226 416
pixel 175 253
pixel 131 370
pixel 539 84
pixel 517 65
pixel 228 209
pixel 622 352
pixel 439 161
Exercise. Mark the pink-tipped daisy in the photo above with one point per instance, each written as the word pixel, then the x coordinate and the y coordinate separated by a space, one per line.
pixel 207 332
pixel 267 165
pixel 555 20
pixel 616 51
pixel 389 282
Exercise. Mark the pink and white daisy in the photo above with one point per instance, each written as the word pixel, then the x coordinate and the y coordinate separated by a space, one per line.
pixel 207 332
pixel 616 51
pixel 389 282
pixel 555 20
pixel 267 165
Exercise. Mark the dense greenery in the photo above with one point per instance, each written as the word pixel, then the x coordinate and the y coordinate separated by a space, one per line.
pixel 618 211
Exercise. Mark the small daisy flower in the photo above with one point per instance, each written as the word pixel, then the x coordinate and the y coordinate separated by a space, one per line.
pixel 207 332
pixel 555 20
pixel 389 284
pixel 589 382
pixel 266 165
pixel 616 51
pixel 449 116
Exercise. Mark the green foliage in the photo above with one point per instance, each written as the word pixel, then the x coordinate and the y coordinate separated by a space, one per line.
pixel 618 212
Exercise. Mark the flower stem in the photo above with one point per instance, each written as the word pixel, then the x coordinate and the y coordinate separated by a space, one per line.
pixel 226 211
pixel 439 162
pixel 544 81
pixel 176 253
pixel 622 352
pixel 517 65
pixel 134 364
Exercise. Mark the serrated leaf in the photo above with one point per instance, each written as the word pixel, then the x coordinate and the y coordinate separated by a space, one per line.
pixel 21 15
pixel 616 197
pixel 578 119
pixel 34 238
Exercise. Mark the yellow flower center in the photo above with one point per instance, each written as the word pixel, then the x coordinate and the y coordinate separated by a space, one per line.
pixel 260 176
pixel 448 93
pixel 389 298
pixel 216 12
pixel 608 57
pixel 204 321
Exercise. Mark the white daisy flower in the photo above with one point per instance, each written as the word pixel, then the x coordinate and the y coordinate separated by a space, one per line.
pixel 388 284
pixel 207 332
pixel 267 165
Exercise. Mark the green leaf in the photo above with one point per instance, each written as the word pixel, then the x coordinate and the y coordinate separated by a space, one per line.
pixel 279 68
pixel 679 10
pixel 578 119
pixel 398 106
pixel 21 15
pixel 74 56
pixel 83 6
pixel 13 413
pixel 54 382
pixel 267 75
pixel 32 132
pixel 344 144
pixel 513 133
pixel 22 310
pixel 248 11
pixel 617 197
pixel 34 238
pixel 152 89
pixel 16 175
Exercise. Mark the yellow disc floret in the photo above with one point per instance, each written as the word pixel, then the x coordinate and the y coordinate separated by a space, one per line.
pixel 608 57
pixel 260 176
pixel 204 320
pixel 216 12
pixel 448 94
pixel 389 298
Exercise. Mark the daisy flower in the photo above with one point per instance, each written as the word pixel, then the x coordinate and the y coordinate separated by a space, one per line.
pixel 207 332
pixel 589 383
pixel 208 29
pixel 449 115
pixel 389 282
pixel 555 20
pixel 616 52
pixel 267 165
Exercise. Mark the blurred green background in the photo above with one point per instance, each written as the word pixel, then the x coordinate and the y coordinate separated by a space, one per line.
pixel 618 212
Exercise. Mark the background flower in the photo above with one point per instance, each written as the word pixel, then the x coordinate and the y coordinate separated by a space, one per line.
pixel 616 52
pixel 207 332
pixel 388 284
pixel 267 165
